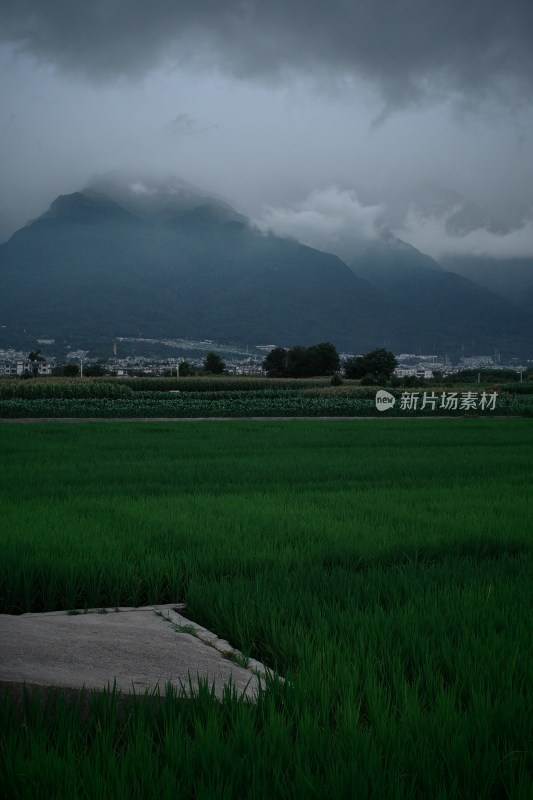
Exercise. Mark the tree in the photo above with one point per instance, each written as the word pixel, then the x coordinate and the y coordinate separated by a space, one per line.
pixel 297 362
pixel 354 367
pixel 302 362
pixel 186 369
pixel 35 357
pixel 213 364
pixel 71 370
pixel 323 359
pixel 378 365
pixel 95 370
pixel 275 363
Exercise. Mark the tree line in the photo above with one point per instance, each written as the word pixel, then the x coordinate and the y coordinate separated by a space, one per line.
pixel 323 360
pixel 319 360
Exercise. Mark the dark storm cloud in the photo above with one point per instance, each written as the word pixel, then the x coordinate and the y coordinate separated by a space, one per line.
pixel 413 50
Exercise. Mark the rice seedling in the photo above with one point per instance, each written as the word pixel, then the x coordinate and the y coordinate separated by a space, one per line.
pixel 383 568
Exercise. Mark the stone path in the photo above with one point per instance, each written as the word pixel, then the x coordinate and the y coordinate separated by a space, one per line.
pixel 142 649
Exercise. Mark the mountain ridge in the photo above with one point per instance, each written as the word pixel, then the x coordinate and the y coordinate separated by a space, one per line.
pixel 194 266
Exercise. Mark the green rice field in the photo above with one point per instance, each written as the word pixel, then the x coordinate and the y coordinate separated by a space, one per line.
pixel 383 567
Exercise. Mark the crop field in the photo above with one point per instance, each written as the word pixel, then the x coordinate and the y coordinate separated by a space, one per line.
pixel 382 567
pixel 245 397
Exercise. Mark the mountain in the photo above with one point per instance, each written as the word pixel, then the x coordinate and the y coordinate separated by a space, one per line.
pixel 437 296
pixel 164 200
pixel 168 260
pixel 387 262
pixel 511 278
pixel 507 277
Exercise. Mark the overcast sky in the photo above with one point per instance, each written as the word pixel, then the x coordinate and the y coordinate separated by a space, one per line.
pixel 307 115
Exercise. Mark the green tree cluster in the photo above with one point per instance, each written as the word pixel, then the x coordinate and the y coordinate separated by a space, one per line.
pixel 95 370
pixel 71 370
pixel 213 364
pixel 302 362
pixel 34 358
pixel 186 369
pixel 377 366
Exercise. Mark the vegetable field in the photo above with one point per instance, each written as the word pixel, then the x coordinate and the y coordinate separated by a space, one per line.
pixel 234 397
pixel 383 567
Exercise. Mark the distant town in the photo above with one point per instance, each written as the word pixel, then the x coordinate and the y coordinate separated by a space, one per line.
pixel 124 361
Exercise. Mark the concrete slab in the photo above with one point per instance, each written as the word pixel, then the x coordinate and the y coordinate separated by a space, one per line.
pixel 140 649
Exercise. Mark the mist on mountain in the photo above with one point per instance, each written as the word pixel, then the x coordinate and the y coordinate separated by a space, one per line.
pixel 130 255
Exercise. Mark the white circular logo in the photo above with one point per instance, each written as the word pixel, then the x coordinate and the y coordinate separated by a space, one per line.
pixel 384 400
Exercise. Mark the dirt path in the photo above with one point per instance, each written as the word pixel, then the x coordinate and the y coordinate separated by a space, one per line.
pixel 32 420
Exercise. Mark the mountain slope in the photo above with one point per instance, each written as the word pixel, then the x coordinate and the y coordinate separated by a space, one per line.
pixel 170 261
pixel 441 298
pixel 462 225
pixel 91 267
pixel 511 278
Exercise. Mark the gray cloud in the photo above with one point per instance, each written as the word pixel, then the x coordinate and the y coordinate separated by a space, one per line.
pixel 331 219
pixel 185 125
pixel 413 50
pixel 432 235
pixel 337 221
